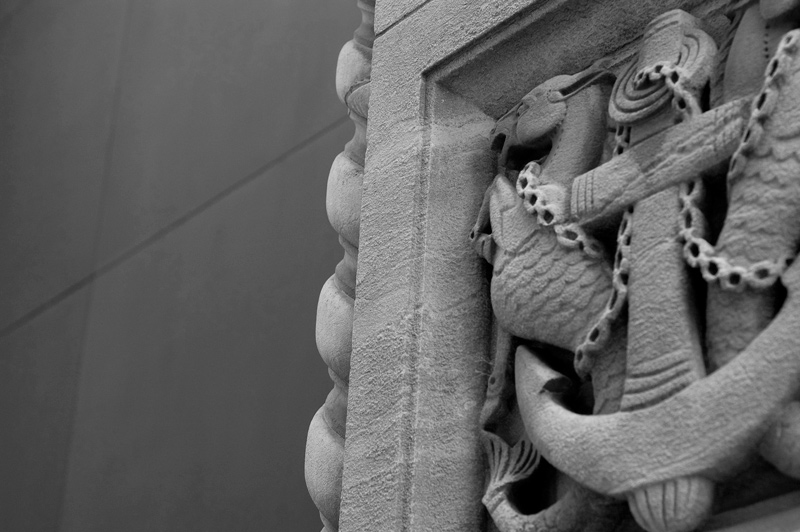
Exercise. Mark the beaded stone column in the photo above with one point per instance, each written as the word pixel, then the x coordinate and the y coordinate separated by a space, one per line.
pixel 325 444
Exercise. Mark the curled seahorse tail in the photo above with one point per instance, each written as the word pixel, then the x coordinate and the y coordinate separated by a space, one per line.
pixel 508 464
pixel 579 510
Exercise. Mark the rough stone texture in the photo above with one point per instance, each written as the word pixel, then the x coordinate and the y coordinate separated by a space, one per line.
pixel 688 451
pixel 421 318
pixel 390 12
pixel 422 346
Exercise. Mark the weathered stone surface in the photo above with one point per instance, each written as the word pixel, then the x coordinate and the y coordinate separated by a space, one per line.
pixel 527 43
pixel 324 449
pixel 353 68
pixel 334 328
pixel 600 232
pixel 343 199
pixel 416 377
pixel 326 435
pixel 684 430
pixel 390 12
pixel 668 158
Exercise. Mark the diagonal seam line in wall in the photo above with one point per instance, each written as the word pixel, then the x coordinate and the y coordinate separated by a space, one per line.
pixel 122 54
pixel 161 233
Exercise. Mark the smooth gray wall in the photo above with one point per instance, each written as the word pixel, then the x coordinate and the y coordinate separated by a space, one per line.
pixel 163 241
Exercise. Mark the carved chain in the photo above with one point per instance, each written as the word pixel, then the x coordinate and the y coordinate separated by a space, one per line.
pixel 699 253
pixel 599 334
pixel 686 105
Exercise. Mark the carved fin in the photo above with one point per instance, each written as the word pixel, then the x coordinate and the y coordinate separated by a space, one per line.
pixel 508 464
pixel 675 505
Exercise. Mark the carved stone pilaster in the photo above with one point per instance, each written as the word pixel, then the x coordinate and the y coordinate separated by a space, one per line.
pixel 326 435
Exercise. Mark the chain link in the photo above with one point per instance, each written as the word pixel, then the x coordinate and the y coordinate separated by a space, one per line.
pixel 698 252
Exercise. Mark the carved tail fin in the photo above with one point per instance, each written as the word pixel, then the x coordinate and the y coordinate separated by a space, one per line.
pixel 508 464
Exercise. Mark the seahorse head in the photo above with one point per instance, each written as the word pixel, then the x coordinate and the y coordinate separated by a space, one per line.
pixel 530 130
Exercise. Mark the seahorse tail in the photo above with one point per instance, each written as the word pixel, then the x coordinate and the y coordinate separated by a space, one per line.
pixel 508 464
pixel 761 202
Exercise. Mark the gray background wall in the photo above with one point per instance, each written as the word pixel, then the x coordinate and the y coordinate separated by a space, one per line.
pixel 163 240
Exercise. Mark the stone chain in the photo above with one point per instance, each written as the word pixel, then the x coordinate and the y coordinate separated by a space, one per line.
pixel 599 334
pixel 698 252
pixel 685 106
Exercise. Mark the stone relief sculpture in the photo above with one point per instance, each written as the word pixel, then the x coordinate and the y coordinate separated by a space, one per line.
pixel 641 233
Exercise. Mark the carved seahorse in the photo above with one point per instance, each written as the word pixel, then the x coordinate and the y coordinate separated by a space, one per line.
pixel 708 429
pixel 760 235
pixel 551 283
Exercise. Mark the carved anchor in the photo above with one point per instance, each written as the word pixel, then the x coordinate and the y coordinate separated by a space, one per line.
pixel 663 86
pixel 759 135
pixel 675 438
pixel 709 429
